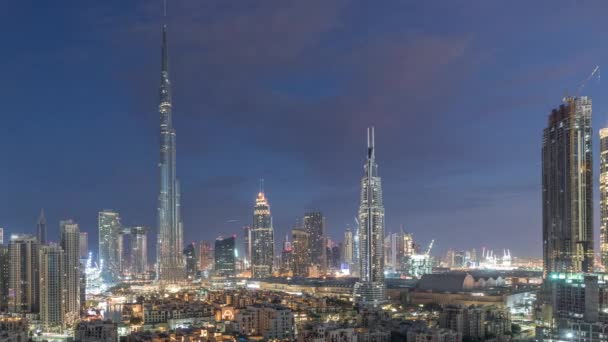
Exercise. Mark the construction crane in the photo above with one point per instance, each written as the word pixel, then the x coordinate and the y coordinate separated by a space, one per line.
pixel 428 250
pixel 596 71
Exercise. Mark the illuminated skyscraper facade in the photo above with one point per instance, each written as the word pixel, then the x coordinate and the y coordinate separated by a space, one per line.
pixel 4 277
pixel 169 246
pixel 70 243
pixel 604 196
pixel 262 239
pixel 109 244
pixel 24 279
pixel 191 261
pixel 371 289
pixel 84 245
pixel 52 286
pixel 225 263
pixel 301 252
pixel 314 224
pixel 567 185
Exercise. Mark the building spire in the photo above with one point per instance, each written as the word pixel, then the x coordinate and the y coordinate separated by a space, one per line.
pixel 42 218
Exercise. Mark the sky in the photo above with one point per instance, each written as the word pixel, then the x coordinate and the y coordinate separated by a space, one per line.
pixel 459 92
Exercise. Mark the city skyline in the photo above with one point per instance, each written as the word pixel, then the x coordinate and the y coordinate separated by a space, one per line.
pixel 469 200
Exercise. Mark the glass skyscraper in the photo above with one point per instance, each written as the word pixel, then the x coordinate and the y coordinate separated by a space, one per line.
pixel 567 188
pixel 370 289
pixel 604 196
pixel 109 244
pixel 262 239
pixel 169 246
pixel 225 256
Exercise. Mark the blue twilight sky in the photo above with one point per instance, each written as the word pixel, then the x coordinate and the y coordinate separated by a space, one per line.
pixel 459 92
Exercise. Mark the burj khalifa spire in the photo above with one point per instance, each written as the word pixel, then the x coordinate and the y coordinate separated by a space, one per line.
pixel 169 263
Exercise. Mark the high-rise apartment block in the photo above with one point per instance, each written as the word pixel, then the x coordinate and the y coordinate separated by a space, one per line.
pixel 314 224
pixel 70 243
pixel 301 252
pixel 110 244
pixel 52 287
pixel 567 188
pixel 604 196
pixel 24 279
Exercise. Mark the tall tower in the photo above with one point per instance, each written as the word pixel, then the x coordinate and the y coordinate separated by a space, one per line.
pixel 52 285
pixel 169 246
pixel 23 274
pixel 370 289
pixel 109 226
pixel 567 179
pixel 262 239
pixel 348 246
pixel 70 243
pixel 224 256
pixel 41 228
pixel 314 224
pixel 604 196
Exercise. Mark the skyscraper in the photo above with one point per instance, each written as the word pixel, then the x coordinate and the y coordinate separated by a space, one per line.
pixel 314 224
pixel 52 285
pixel 4 277
pixel 1 236
pixel 139 251
pixel 191 261
pixel 604 196
pixel 23 274
pixel 348 247
pixel 109 244
pixel 225 256
pixel 370 289
pixel 206 255
pixel 301 252
pixel 70 243
pixel 83 246
pixel 567 180
pixel 262 239
pixel 170 264
pixel 41 228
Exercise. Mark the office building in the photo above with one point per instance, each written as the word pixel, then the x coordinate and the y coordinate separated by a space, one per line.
pixel 138 251
pixel 169 246
pixel 301 252
pixel 567 188
pixel 225 262
pixel 70 243
pixel 206 255
pixel 370 289
pixel 4 277
pixel 110 244
pixel 52 285
pixel 604 196
pixel 41 228
pixel 23 274
pixel 191 261
pixel 262 239
pixel 314 224
pixel 1 236
pixel 83 245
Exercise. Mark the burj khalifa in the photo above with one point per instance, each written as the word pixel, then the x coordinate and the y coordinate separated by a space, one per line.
pixel 169 264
